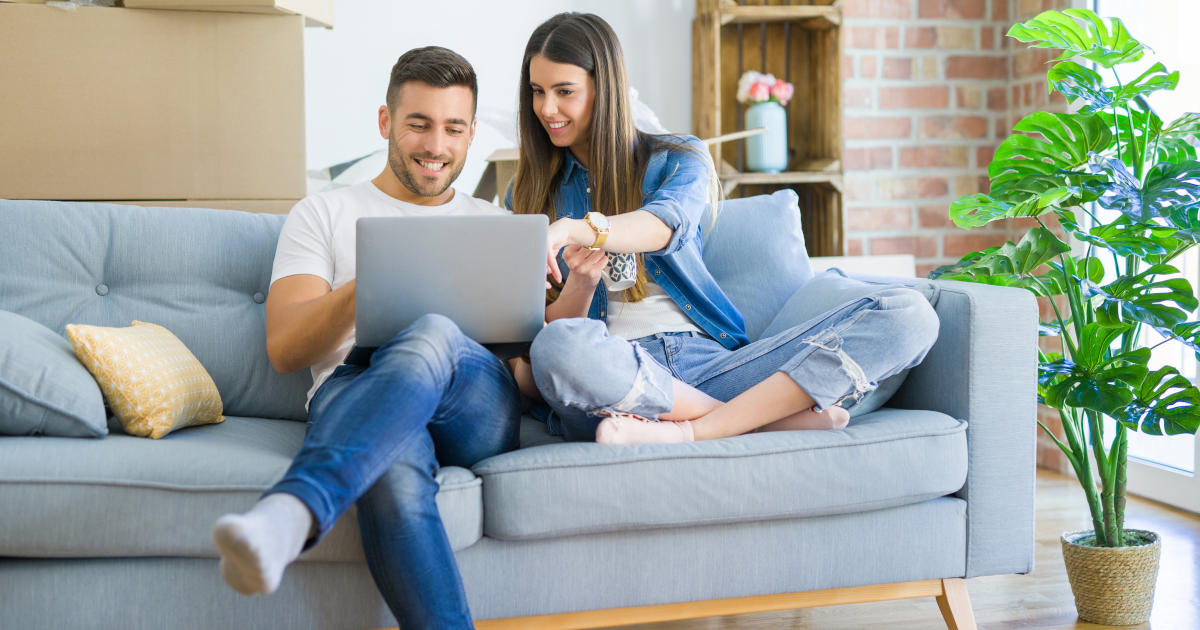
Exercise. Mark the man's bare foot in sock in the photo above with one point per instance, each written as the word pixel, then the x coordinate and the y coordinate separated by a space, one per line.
pixel 628 428
pixel 827 419
pixel 257 546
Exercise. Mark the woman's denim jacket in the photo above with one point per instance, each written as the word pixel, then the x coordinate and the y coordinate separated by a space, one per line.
pixel 674 190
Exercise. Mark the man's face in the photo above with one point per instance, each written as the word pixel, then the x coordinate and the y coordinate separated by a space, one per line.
pixel 428 132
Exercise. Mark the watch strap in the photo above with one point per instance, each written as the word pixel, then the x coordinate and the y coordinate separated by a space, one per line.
pixel 601 233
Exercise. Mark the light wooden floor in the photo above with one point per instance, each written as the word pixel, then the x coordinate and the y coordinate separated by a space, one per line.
pixel 1039 600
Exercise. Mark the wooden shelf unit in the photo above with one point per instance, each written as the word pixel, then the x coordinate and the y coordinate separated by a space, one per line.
pixel 800 42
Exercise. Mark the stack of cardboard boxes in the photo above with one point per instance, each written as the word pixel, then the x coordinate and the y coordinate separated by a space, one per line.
pixel 201 107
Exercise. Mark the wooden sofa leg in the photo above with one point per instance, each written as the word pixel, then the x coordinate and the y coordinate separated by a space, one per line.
pixel 955 604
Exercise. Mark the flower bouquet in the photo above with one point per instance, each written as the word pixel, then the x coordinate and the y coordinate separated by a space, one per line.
pixel 756 87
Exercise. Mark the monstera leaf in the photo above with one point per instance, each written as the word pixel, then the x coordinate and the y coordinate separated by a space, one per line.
pixel 1168 188
pixel 1002 265
pixel 1138 121
pixel 1152 80
pixel 1137 125
pixel 1025 164
pixel 1172 187
pixel 1186 223
pixel 1178 142
pixel 1080 34
pixel 1141 298
pixel 1124 237
pixel 1082 85
pixel 981 209
pixel 1187 333
pixel 1144 137
pixel 1186 127
pixel 1163 402
pixel 1093 381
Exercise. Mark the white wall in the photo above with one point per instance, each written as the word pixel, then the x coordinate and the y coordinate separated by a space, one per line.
pixel 346 69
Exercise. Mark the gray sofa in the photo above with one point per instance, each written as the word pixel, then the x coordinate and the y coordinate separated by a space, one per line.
pixel 113 532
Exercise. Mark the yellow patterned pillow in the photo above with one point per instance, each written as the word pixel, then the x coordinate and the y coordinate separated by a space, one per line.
pixel 152 382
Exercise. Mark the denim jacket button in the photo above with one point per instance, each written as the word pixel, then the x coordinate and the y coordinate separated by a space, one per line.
pixel 658 272
pixel 687 306
pixel 723 335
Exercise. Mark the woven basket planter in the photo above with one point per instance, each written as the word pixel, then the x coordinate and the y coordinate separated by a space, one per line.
pixel 1113 586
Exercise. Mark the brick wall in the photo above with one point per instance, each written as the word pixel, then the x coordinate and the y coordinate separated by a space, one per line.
pixel 932 87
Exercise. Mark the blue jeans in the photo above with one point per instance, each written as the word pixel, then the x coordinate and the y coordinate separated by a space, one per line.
pixel 581 370
pixel 376 436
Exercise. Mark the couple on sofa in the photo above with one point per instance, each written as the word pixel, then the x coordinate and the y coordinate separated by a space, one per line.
pixel 667 360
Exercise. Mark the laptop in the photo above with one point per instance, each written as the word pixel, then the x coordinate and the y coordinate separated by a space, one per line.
pixel 486 273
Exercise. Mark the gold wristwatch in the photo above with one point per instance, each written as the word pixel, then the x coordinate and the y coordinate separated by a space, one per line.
pixel 600 225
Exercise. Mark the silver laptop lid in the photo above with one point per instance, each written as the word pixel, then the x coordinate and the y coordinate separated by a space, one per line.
pixel 487 273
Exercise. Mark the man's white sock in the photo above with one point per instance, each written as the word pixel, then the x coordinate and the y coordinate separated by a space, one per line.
pixel 257 546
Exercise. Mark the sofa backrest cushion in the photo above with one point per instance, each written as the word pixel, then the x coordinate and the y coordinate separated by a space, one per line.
pixel 756 253
pixel 202 274
pixel 833 288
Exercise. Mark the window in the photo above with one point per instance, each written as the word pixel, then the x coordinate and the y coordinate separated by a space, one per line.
pixel 1165 468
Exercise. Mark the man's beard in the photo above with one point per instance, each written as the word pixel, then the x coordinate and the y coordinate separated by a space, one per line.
pixel 401 169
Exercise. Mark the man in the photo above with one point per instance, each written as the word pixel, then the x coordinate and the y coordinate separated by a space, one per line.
pixel 378 431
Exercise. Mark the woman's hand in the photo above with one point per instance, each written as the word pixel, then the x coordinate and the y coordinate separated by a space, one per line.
pixel 562 233
pixel 585 264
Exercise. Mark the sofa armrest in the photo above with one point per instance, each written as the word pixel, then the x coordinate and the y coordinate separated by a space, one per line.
pixel 983 369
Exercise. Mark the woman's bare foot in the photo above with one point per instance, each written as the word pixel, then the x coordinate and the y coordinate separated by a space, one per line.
pixel 828 419
pixel 628 428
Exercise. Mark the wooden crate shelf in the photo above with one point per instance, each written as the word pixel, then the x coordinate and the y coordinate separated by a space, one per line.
pixel 800 42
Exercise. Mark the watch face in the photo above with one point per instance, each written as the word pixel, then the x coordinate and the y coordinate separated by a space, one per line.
pixel 598 220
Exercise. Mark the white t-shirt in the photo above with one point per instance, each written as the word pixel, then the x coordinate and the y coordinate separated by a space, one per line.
pixel 318 238
pixel 653 314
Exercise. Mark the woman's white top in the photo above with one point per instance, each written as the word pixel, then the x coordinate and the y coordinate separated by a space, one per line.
pixel 656 313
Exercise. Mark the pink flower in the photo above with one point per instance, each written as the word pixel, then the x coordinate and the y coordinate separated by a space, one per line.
pixel 782 91
pixel 759 92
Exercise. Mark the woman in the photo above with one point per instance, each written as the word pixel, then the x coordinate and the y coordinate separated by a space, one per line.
pixel 672 347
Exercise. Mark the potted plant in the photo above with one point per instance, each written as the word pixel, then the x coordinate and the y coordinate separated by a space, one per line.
pixel 766 96
pixel 1125 186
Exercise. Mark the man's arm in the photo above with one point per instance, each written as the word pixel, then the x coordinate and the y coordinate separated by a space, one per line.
pixel 306 320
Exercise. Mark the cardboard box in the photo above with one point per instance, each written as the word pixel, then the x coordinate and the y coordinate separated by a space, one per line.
pixel 267 206
pixel 315 12
pixel 501 168
pixel 111 103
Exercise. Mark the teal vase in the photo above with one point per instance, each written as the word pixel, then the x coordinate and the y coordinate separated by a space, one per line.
pixel 767 152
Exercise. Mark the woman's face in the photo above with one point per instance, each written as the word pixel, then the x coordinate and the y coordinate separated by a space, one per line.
pixel 563 95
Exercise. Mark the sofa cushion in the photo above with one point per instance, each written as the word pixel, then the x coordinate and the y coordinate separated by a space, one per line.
pixel 44 390
pixel 888 458
pixel 756 239
pixel 152 382
pixel 828 290
pixel 125 496
pixel 203 274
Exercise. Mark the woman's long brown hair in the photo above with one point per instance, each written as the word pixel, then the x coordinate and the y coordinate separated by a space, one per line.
pixel 618 152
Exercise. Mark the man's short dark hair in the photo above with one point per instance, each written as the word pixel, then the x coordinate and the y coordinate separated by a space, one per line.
pixel 437 66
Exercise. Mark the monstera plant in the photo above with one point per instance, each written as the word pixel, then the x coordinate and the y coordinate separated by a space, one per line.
pixel 1124 185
